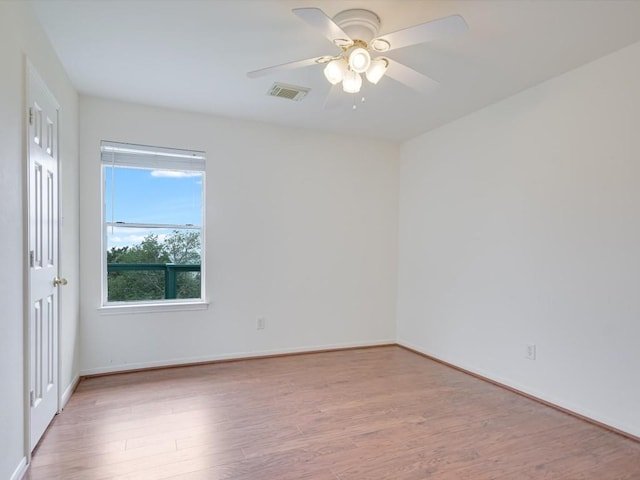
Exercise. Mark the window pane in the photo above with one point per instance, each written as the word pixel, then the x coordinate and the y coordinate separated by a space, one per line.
pixel 153 264
pixel 141 195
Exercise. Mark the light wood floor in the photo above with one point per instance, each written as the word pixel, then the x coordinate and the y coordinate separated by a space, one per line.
pixel 378 413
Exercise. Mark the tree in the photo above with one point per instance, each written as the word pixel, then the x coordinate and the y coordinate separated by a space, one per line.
pixel 178 248
pixel 183 247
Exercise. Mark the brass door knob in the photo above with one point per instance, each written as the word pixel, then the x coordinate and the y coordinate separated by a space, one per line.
pixel 59 281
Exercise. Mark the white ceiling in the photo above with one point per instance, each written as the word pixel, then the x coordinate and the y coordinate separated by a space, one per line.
pixel 194 55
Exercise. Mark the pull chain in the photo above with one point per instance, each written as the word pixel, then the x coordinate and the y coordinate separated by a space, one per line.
pixel 355 107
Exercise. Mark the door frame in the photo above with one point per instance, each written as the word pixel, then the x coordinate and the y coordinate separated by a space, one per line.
pixel 31 72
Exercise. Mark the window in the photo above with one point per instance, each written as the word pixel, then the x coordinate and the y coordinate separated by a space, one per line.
pixel 152 225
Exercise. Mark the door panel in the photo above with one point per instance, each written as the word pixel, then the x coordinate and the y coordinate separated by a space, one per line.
pixel 43 256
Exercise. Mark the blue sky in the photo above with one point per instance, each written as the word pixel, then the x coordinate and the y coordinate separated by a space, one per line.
pixel 150 196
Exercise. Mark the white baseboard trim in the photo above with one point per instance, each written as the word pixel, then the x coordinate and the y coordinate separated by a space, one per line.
pixel 544 398
pixel 232 356
pixel 20 470
pixel 69 391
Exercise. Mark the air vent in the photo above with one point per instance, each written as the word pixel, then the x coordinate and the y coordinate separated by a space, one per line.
pixel 290 92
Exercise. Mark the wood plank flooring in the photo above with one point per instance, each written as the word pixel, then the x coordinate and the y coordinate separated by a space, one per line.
pixel 368 414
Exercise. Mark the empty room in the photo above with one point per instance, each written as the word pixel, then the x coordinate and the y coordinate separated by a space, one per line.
pixel 323 240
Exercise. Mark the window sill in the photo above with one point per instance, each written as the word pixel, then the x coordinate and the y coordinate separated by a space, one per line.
pixel 120 309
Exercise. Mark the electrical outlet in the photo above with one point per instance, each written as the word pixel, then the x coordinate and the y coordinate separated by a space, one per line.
pixel 260 323
pixel 530 352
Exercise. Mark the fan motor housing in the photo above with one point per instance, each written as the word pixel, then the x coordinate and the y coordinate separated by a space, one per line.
pixel 358 23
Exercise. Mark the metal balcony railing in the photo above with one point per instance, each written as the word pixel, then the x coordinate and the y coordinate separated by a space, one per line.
pixel 170 273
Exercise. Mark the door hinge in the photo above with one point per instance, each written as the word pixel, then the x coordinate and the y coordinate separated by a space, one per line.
pixel 30 115
pixel 32 258
pixel 32 398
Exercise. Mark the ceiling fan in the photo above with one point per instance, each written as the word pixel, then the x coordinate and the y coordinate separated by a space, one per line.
pixel 363 52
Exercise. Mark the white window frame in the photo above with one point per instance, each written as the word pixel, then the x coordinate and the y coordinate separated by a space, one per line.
pixel 160 158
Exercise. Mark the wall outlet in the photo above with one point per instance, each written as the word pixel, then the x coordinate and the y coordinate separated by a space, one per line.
pixel 530 353
pixel 260 323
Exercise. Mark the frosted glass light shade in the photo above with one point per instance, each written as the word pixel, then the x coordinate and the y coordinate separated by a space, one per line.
pixel 359 60
pixel 352 82
pixel 335 70
pixel 377 69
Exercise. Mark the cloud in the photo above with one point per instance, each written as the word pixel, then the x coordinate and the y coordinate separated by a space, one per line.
pixel 133 236
pixel 174 174
pixel 127 239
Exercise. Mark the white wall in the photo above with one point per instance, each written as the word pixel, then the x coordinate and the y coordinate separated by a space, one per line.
pixel 21 35
pixel 521 224
pixel 301 229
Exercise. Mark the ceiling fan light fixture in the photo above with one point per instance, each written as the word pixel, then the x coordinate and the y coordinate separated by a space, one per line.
pixel 359 60
pixel 377 69
pixel 335 71
pixel 342 42
pixel 380 45
pixel 352 82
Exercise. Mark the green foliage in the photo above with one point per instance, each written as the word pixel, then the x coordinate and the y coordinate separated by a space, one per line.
pixel 183 247
pixel 178 248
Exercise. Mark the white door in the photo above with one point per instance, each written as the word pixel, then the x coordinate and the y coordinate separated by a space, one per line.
pixel 43 278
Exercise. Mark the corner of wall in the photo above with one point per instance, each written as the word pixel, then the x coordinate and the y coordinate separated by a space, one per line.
pixel 20 470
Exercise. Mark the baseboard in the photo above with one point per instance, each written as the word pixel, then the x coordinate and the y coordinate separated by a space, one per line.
pixel 180 362
pixel 20 470
pixel 536 396
pixel 69 391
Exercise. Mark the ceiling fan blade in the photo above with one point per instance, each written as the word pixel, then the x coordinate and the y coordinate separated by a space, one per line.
pixel 409 77
pixel 425 32
pixel 320 21
pixel 288 66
